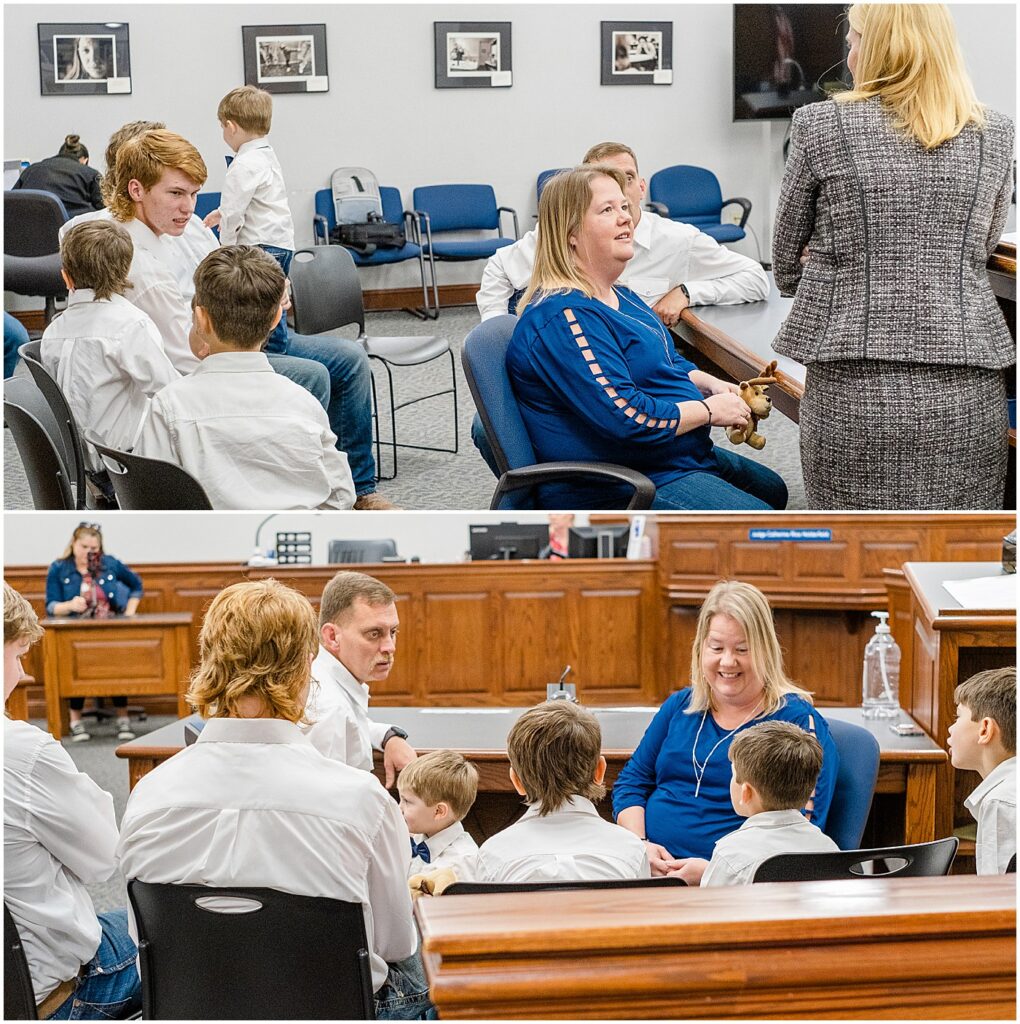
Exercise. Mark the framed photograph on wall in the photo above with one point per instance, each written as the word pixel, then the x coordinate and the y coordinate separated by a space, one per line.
pixel 473 55
pixel 84 59
pixel 637 53
pixel 285 58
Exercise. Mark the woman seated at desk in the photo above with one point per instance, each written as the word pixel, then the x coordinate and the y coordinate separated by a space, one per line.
pixel 675 789
pixel 86 582
pixel 598 378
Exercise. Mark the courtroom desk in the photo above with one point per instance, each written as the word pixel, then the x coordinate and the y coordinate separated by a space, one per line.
pixel 948 645
pixel 17 703
pixel 130 656
pixel 912 948
pixel 906 768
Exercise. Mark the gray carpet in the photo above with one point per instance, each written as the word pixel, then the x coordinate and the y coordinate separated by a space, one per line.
pixel 436 480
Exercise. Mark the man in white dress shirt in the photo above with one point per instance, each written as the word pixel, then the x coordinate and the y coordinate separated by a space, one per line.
pixel 358 625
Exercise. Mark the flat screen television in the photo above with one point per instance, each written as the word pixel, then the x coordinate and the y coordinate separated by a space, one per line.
pixel 785 56
pixel 604 541
pixel 508 540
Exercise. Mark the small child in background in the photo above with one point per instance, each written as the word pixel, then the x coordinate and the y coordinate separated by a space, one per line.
pixel 775 768
pixel 983 739
pixel 436 791
pixel 253 205
pixel 556 764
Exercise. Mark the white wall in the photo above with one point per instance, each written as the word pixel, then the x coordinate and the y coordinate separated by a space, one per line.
pixel 383 112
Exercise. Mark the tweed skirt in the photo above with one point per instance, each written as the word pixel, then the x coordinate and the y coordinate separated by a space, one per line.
pixel 888 435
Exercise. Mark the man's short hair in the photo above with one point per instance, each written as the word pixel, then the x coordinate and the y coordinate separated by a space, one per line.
pixel 780 760
pixel 992 694
pixel 97 254
pixel 442 775
pixel 249 107
pixel 240 287
pixel 20 620
pixel 601 150
pixel 345 588
pixel 554 749
pixel 146 158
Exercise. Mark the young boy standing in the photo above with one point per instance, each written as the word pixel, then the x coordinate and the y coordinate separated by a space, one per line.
pixel 983 739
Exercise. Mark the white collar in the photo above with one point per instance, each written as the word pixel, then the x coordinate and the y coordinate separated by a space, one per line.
pixel 336 670
pixel 143 236
pixel 643 231
pixel 234 362
pixel 442 839
pixel 247 147
pixel 573 805
pixel 80 296
pixel 999 774
pixel 252 730
pixel 773 819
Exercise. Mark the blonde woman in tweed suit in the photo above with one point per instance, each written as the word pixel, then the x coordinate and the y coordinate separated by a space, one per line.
pixel 894 197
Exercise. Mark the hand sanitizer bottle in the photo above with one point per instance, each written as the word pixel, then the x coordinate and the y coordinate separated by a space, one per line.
pixel 881 672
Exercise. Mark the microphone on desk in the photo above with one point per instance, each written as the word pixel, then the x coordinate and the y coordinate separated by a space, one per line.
pixel 561 690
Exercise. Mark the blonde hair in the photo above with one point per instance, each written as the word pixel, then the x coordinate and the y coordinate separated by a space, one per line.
pixel 601 150
pixel 345 588
pixel 554 750
pixel 910 58
pixel 992 694
pixel 83 530
pixel 561 211
pixel 20 620
pixel 97 254
pixel 749 607
pixel 256 641
pixel 145 159
pixel 780 760
pixel 442 775
pixel 249 107
pixel 240 287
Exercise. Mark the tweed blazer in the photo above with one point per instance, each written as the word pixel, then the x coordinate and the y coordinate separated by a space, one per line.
pixel 899 238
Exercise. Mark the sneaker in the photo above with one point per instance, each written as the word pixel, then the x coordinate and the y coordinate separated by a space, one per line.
pixel 124 729
pixel 78 733
pixel 373 502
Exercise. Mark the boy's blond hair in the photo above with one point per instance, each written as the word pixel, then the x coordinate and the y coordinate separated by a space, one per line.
pixel 249 107
pixel 20 620
pixel 992 694
pixel 441 776
pixel 345 588
pixel 145 158
pixel 97 254
pixel 554 749
pixel 240 287
pixel 780 760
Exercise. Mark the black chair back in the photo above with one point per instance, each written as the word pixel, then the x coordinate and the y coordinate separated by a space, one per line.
pixel 33 429
pixel 326 290
pixel 19 996
pixel 1011 866
pixel 920 860
pixel 142 483
pixel 350 551
pixel 467 888
pixel 32 220
pixel 205 955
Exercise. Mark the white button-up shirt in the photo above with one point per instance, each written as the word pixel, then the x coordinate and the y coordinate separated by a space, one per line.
pixel 253 803
pixel 666 255
pixel 253 203
pixel 736 857
pixel 59 835
pixel 570 844
pixel 337 713
pixel 451 848
pixel 993 803
pixel 251 437
pixel 108 359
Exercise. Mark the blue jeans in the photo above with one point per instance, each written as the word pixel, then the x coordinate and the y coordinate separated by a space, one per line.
pixel 312 376
pixel 405 995
pixel 111 988
pixel 743 486
pixel 483 446
pixel 283 257
pixel 15 336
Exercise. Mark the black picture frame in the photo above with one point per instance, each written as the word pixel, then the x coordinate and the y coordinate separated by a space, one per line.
pixel 649 56
pixel 485 58
pixel 84 59
pixel 286 58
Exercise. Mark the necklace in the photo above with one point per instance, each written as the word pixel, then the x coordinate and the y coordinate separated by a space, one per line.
pixel 700 766
pixel 659 331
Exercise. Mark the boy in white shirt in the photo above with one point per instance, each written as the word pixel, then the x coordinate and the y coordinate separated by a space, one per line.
pixel 436 792
pixel 775 768
pixel 105 353
pixel 983 739
pixel 251 437
pixel 556 764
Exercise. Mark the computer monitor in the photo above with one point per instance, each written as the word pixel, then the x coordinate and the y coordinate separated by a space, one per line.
pixel 606 541
pixel 508 540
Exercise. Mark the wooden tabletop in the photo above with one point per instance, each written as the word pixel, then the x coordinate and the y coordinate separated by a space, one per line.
pixel 141 619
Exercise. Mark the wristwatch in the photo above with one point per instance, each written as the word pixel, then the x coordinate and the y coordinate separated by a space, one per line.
pixel 393 730
pixel 683 288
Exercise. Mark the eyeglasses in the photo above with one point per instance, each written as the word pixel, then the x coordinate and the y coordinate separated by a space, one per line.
pixel 91 526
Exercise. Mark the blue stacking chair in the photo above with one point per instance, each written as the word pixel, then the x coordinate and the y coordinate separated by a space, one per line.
pixel 543 177
pixel 324 221
pixel 855 783
pixel 692 195
pixel 442 209
pixel 484 360
pixel 205 203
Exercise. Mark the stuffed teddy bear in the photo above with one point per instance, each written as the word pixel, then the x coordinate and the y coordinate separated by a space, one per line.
pixel 432 883
pixel 753 393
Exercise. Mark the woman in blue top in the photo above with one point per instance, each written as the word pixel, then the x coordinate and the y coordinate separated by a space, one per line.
pixel 597 375
pixel 675 790
pixel 86 581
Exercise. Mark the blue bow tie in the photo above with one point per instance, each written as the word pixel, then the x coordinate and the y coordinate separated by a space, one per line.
pixel 421 850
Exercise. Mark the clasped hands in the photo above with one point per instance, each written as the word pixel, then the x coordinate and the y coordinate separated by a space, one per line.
pixel 662 863
pixel 723 398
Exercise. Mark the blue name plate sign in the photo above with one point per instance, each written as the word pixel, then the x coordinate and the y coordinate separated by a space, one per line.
pixel 792 533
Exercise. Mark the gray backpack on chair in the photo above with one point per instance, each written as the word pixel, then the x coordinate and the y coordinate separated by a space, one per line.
pixel 357 205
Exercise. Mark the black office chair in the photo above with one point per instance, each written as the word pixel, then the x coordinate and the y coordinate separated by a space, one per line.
pixel 352 551
pixel 33 428
pixel 142 483
pixel 469 888
pixel 32 219
pixel 920 860
pixel 1011 866
pixel 19 995
pixel 274 956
